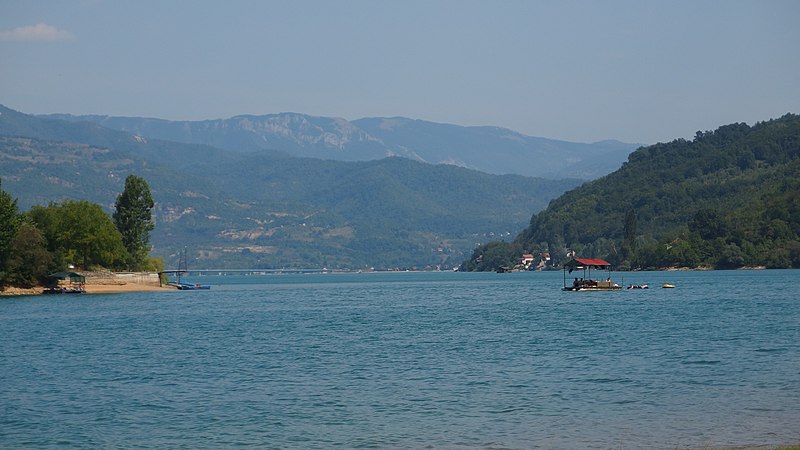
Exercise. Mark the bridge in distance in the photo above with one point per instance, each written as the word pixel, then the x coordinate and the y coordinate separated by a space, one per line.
pixel 245 271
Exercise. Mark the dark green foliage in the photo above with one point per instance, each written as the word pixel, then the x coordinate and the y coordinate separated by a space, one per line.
pixel 9 222
pixel 30 262
pixel 80 231
pixel 709 224
pixel 48 237
pixel 629 234
pixel 492 256
pixel 134 220
pixel 728 199
pixel 45 238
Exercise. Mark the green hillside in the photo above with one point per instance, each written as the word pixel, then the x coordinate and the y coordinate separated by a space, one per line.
pixel 729 198
pixel 266 210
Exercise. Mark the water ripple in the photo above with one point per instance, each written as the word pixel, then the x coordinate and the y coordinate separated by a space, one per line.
pixel 408 361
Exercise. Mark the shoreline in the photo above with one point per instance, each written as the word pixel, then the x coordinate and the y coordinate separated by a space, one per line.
pixel 91 289
pixel 100 282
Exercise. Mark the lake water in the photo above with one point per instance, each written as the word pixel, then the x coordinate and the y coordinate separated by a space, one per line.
pixel 408 360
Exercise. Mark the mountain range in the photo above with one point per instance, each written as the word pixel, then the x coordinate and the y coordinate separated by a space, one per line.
pixel 488 149
pixel 266 209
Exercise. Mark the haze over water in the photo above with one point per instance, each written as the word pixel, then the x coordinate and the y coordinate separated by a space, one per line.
pixel 408 360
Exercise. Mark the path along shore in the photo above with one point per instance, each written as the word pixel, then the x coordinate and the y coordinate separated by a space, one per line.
pixel 106 283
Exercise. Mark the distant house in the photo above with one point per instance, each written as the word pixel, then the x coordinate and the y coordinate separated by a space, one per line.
pixel 526 260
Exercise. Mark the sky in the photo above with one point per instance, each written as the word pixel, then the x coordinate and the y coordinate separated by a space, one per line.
pixel 640 71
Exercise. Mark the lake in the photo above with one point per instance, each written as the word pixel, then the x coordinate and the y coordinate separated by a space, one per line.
pixel 408 360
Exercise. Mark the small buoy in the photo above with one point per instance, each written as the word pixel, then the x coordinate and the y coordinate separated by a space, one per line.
pixel 667 286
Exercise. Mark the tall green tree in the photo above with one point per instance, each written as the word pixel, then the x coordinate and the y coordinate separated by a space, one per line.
pixel 629 234
pixel 30 262
pixel 9 222
pixel 90 236
pixel 46 219
pixel 134 219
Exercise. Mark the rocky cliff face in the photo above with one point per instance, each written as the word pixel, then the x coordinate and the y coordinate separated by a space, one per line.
pixel 488 149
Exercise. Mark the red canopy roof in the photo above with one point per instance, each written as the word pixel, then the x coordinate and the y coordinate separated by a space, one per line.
pixel 596 262
pixel 593 262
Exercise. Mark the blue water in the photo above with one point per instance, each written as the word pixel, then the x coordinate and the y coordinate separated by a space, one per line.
pixel 408 360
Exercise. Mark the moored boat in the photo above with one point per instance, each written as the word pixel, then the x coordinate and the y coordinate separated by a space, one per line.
pixel 65 283
pixel 64 290
pixel 182 269
pixel 586 283
pixel 189 286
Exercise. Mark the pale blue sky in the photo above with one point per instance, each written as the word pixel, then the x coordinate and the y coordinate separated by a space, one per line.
pixel 638 71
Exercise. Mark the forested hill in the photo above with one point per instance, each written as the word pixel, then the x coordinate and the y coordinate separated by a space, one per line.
pixel 727 199
pixel 266 210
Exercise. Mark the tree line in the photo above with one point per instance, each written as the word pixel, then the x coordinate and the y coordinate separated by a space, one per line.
pixel 76 233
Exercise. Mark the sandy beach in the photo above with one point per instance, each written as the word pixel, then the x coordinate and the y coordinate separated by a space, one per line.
pixel 127 287
pixel 102 283
pixel 92 289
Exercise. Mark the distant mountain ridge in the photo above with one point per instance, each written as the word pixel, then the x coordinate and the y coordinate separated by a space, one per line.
pixel 269 210
pixel 488 149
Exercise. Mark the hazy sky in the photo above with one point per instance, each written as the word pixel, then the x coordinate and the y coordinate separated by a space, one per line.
pixel 638 71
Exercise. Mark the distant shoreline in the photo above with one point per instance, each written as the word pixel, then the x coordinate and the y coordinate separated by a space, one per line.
pixel 104 285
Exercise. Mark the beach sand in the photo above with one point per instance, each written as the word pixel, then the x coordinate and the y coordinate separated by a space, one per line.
pixel 127 287
pixel 95 288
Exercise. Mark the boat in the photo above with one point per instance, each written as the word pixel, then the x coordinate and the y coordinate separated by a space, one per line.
pixel 64 290
pixel 668 286
pixel 586 283
pixel 65 283
pixel 183 268
pixel 190 286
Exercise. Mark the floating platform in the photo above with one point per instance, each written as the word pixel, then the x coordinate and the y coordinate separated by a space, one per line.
pixel 591 285
pixel 585 283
